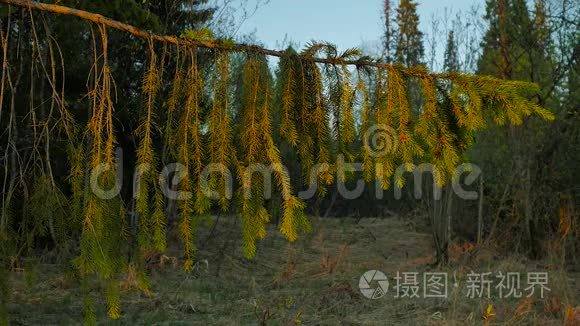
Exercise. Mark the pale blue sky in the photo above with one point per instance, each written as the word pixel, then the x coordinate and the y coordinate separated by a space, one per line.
pixel 346 23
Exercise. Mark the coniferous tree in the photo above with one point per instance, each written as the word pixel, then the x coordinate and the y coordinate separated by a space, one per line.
pixel 409 49
pixel 442 209
pixel 518 46
pixel 451 60
pixel 316 98
pixel 390 32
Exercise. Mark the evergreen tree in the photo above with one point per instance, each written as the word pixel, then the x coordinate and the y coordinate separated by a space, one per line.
pixel 179 15
pixel 517 46
pixel 198 103
pixel 390 31
pixel 451 60
pixel 409 49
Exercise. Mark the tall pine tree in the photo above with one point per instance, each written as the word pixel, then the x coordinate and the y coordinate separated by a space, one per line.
pixel 389 36
pixel 451 60
pixel 409 49
pixel 516 46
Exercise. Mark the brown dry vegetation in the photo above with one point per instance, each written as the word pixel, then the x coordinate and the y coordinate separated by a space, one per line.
pixel 313 281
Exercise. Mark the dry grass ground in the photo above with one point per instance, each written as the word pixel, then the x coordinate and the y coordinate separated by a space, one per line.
pixel 312 282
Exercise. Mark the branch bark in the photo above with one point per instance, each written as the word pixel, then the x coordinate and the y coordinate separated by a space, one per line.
pixel 210 44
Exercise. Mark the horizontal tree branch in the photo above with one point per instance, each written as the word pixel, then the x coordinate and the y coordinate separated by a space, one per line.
pixel 100 19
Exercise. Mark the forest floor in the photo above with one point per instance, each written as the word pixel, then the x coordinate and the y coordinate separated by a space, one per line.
pixel 314 281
